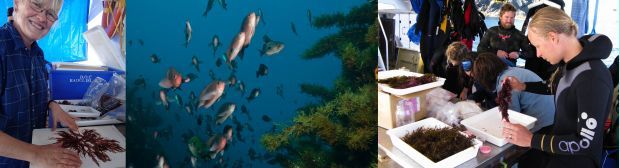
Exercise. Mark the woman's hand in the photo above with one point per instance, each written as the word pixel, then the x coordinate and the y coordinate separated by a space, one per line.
pixel 514 83
pixel 62 117
pixel 54 155
pixel 513 55
pixel 463 95
pixel 502 54
pixel 517 134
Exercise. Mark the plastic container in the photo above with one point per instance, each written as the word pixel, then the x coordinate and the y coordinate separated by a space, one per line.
pixel 488 124
pixel 459 158
pixel 108 54
pixel 406 91
pixel 80 111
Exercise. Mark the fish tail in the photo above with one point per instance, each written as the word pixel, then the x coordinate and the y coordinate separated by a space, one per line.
pixel 262 53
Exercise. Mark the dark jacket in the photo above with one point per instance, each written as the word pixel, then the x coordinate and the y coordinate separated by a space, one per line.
pixel 582 98
pixel 509 40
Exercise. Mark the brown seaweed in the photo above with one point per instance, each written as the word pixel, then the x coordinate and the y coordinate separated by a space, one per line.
pixel 438 143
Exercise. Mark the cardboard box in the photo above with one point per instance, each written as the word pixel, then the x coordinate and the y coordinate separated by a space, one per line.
pixel 389 97
pixel 410 60
pixel 72 84
pixel 387 107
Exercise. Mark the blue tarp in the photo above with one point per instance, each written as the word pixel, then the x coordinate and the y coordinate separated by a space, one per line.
pixel 64 42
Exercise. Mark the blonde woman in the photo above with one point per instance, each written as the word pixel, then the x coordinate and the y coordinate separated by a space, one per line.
pixel 582 90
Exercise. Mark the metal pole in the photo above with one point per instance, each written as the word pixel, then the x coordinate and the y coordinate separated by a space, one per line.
pixel 387 53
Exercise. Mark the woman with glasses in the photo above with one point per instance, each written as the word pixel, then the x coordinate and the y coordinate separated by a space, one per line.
pixel 24 94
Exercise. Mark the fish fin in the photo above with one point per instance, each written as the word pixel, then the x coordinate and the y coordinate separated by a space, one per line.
pixel 220 120
pixel 262 53
pixel 213 154
pixel 241 52
pixel 213 147
pixel 165 83
pixel 266 38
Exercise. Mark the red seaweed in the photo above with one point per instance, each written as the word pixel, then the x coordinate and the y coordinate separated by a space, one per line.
pixel 90 143
pixel 402 82
pixel 504 99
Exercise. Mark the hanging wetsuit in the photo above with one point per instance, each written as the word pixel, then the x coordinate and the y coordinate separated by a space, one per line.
pixel 537 65
pixel 427 23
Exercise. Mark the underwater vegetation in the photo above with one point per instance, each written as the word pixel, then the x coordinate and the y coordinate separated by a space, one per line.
pixel 341 131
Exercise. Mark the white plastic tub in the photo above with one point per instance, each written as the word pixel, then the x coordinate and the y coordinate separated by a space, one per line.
pixel 406 91
pixel 488 125
pixel 397 133
pixel 80 111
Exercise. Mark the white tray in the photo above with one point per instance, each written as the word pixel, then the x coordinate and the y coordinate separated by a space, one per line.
pixel 106 120
pixel 488 125
pixel 406 91
pixel 397 133
pixel 42 137
pixel 82 111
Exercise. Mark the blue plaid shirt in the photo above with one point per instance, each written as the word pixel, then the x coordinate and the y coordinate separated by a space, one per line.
pixel 23 89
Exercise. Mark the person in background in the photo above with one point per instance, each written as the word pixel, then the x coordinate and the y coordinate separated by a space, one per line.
pixel 505 40
pixel 489 70
pixel 9 14
pixel 24 94
pixel 582 88
pixel 457 81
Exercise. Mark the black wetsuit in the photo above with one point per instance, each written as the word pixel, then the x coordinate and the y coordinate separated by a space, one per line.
pixel 583 94
pixel 508 40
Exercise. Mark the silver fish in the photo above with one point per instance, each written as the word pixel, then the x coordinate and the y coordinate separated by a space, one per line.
pixel 262 70
pixel 224 112
pixel 155 59
pixel 188 33
pixel 271 47
pixel 196 63
pixel 293 28
pixel 209 7
pixel 255 92
pixel 215 43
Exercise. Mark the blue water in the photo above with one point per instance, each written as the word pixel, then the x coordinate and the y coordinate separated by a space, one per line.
pixel 160 26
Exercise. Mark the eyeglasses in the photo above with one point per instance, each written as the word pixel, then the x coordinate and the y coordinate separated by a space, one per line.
pixel 50 14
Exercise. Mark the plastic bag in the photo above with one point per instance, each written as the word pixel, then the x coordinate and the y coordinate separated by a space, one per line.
pixel 112 99
pixel 117 86
pixel 96 89
pixel 406 109
pixel 437 98
pixel 64 42
pixel 438 105
pixel 467 109
pixel 448 114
